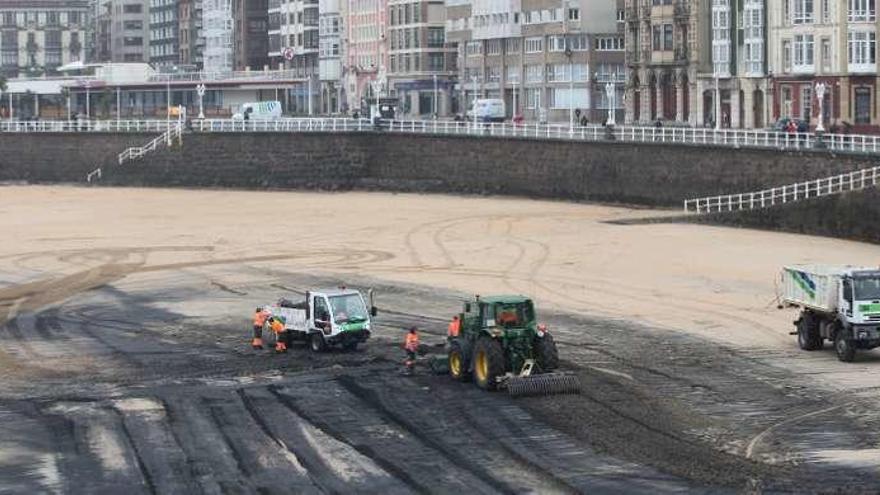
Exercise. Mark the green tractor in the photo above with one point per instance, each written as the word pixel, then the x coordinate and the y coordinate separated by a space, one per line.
pixel 501 346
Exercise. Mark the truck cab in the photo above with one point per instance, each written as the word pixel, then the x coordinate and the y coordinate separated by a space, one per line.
pixel 859 303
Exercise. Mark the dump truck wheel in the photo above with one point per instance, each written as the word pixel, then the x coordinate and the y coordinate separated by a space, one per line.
pixel 316 342
pixel 808 333
pixel 546 352
pixel 846 350
pixel 458 364
pixel 488 363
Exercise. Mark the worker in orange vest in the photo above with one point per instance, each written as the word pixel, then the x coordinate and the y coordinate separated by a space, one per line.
pixel 411 345
pixel 277 326
pixel 259 320
pixel 454 327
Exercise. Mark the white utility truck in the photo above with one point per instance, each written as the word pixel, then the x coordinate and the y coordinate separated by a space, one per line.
pixel 838 303
pixel 326 318
pixel 259 110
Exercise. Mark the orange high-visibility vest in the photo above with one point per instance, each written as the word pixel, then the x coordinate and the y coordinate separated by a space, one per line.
pixel 412 342
pixel 260 318
pixel 277 326
pixel 454 327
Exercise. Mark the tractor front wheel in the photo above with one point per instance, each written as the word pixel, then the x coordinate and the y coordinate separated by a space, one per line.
pixel 488 363
pixel 458 363
pixel 546 353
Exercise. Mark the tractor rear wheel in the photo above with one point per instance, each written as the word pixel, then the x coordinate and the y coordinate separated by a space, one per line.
pixel 458 362
pixel 546 353
pixel 488 363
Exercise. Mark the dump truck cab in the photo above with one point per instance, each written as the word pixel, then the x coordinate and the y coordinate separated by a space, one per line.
pixel 500 343
pixel 859 299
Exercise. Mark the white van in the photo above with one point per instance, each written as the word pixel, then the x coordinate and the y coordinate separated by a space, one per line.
pixel 261 110
pixel 488 110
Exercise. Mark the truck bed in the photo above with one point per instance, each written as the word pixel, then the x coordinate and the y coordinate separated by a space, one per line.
pixel 811 286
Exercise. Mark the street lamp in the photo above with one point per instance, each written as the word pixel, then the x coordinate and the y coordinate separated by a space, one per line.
pixel 820 94
pixel 200 90
pixel 88 100
pixel 434 107
pixel 610 93
pixel 568 53
pixel 474 107
pixel 717 102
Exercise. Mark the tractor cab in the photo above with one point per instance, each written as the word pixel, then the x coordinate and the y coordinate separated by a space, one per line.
pixel 499 316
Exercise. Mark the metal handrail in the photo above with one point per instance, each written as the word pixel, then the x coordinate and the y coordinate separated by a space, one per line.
pixel 136 152
pixel 729 138
pixel 826 186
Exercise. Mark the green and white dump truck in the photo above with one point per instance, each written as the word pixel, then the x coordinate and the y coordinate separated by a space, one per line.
pixel 325 318
pixel 838 303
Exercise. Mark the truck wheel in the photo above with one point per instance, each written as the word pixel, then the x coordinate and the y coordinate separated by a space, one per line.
pixel 458 362
pixel 846 350
pixel 488 363
pixel 316 342
pixel 269 339
pixel 546 353
pixel 808 335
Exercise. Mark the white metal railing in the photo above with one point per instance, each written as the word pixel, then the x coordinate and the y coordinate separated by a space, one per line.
pixel 731 138
pixel 166 137
pixel 851 181
pixel 85 126
pixel 243 75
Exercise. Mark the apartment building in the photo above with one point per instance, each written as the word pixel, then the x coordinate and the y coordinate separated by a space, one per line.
pixel 825 41
pixel 330 55
pixel 422 68
pixel 547 59
pixel 366 51
pixel 732 82
pixel 191 40
pixel 294 44
pixel 128 30
pixel 665 53
pixel 37 36
pixel 164 33
pixel 217 19
pixel 251 34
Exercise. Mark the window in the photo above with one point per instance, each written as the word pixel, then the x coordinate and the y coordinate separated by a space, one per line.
pixel 802 12
pixel 534 73
pixel 806 102
pixel 132 41
pixel 564 98
pixel 621 15
pixel 786 55
pixel 474 48
pixel 657 32
pixel 786 101
pixel 667 37
pixel 556 43
pixel 609 43
pixel 512 45
pixel 493 47
pixel 862 49
pixel 534 45
pixel 826 11
pixel 753 30
pixel 861 11
pixel 512 74
pixel 436 37
pixel 826 55
pixel 803 51
pixel 493 74
pixel 721 37
pixel 133 25
pixel 557 73
pixel 533 98
pixel 863 106
pixel 574 14
pixel 132 8
pixel 435 62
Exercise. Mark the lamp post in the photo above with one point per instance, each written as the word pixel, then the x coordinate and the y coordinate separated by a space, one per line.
pixel 118 103
pixel 514 99
pixel 568 53
pixel 434 107
pixel 200 90
pixel 717 102
pixel 610 93
pixel 474 107
pixel 820 94
pixel 168 106
pixel 88 100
